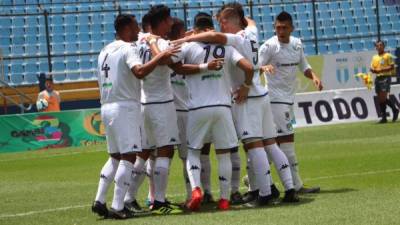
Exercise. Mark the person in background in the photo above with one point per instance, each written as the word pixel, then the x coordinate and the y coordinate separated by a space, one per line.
pixel 51 96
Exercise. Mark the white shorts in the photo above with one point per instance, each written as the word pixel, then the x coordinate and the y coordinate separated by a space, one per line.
pixel 253 119
pixel 211 124
pixel 122 122
pixel 160 123
pixel 284 118
pixel 182 123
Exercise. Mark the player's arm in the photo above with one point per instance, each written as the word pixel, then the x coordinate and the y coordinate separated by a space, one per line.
pixel 243 91
pixel 209 36
pixel 142 70
pixel 188 69
pixel 308 72
pixel 250 22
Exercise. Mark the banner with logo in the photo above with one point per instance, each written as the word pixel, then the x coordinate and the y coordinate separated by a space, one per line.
pixel 33 131
pixel 337 71
pixel 340 106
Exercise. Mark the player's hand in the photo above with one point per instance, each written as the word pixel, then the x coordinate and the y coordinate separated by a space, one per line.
pixel 318 84
pixel 216 64
pixel 179 41
pixel 168 54
pixel 241 94
pixel 270 69
pixel 151 37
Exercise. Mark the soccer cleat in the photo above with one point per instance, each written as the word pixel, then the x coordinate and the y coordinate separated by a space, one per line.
pixel 308 190
pixel 163 208
pixel 395 115
pixel 291 196
pixel 134 206
pixel 194 203
pixel 236 198
pixel 250 196
pixel 100 209
pixel 245 180
pixel 207 198
pixel 383 120
pixel 223 204
pixel 120 215
pixel 148 203
pixel 260 201
pixel 275 192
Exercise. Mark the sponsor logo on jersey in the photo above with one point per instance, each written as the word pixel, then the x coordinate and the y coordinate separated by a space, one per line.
pixel 214 76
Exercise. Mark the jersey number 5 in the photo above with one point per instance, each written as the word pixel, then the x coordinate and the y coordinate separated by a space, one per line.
pixel 254 49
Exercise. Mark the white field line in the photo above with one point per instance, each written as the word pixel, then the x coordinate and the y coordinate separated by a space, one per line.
pixel 180 195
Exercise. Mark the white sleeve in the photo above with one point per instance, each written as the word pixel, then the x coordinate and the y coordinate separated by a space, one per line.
pixel 234 40
pixel 252 32
pixel 235 57
pixel 132 57
pixel 180 56
pixel 304 65
pixel 162 44
pixel 265 54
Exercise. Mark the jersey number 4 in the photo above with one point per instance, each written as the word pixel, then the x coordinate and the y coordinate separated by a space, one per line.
pixel 218 52
pixel 105 67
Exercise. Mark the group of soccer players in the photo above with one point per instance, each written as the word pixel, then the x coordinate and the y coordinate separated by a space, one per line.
pixel 164 88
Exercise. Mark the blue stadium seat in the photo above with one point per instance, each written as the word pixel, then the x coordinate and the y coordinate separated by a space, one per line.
pixel 16 79
pixel 71 47
pixel 31 78
pixel 57 48
pixel 31 49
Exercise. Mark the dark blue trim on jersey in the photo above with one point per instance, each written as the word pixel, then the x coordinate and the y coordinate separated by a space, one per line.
pixel 182 110
pixel 258 96
pixel 283 103
pixel 209 106
pixel 152 103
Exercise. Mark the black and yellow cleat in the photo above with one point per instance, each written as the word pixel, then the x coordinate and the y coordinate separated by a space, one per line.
pixel 163 208
pixel 120 215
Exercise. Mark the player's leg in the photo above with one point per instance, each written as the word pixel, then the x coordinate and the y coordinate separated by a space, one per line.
pixel 283 118
pixel 150 174
pixel 206 173
pixel 385 91
pixel 182 150
pixel 236 196
pixel 382 97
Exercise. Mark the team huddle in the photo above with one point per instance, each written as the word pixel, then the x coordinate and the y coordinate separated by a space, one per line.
pixel 165 88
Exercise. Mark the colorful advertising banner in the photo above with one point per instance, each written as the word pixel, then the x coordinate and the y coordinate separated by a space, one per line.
pixel 33 131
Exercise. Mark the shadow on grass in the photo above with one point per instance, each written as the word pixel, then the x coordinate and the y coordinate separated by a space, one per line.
pixel 336 191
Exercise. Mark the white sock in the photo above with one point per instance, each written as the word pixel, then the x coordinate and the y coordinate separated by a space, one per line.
pixel 122 182
pixel 187 181
pixel 288 149
pixel 235 183
pixel 193 167
pixel 224 174
pixel 161 169
pixel 281 165
pixel 250 175
pixel 149 172
pixel 107 175
pixel 260 166
pixel 138 176
pixel 205 176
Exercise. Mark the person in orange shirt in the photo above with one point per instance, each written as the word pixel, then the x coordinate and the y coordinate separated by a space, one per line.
pixel 51 96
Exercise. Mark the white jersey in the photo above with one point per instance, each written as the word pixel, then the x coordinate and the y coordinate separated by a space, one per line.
pixel 116 81
pixel 210 88
pixel 156 87
pixel 285 58
pixel 246 43
pixel 180 89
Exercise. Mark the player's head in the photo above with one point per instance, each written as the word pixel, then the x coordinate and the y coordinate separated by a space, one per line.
pixel 230 20
pixel 239 9
pixel 203 22
pixel 284 26
pixel 380 46
pixel 126 27
pixel 160 20
pixel 146 27
pixel 177 29
pixel 49 83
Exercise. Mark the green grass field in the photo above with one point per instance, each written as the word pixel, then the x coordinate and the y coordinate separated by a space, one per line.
pixel 356 165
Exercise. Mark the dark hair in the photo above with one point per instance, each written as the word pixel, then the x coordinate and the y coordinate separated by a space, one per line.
pixel 238 8
pixel 285 16
pixel 122 21
pixel 232 15
pixel 380 41
pixel 145 21
pixel 203 21
pixel 157 14
pixel 176 28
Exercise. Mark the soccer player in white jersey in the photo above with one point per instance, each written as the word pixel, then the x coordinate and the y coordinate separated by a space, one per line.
pixel 209 105
pixel 119 71
pixel 253 119
pixel 285 53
